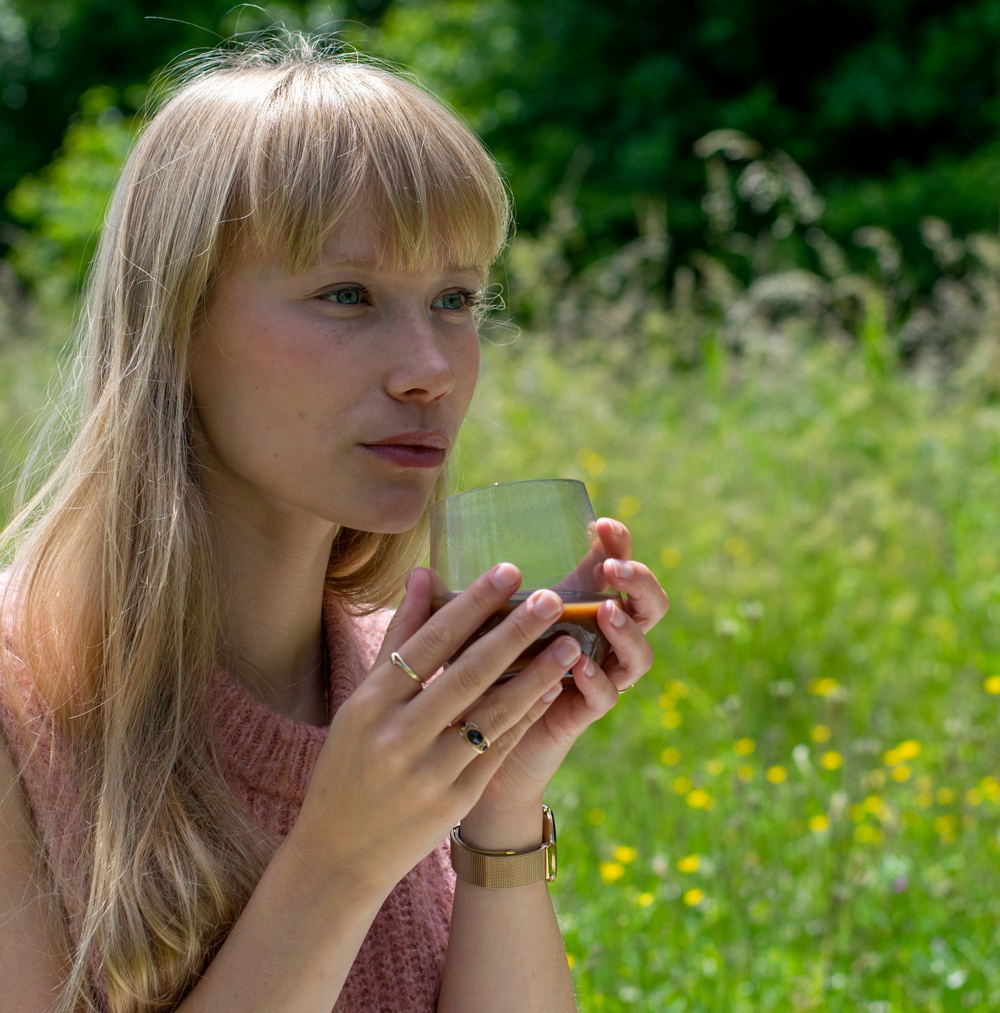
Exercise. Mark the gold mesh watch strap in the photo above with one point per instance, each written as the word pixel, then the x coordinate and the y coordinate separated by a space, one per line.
pixel 505 870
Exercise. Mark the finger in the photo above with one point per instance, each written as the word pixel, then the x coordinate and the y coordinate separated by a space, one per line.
pixel 647 602
pixel 614 537
pixel 479 772
pixel 633 653
pixel 412 612
pixel 574 712
pixel 497 713
pixel 484 661
pixel 435 640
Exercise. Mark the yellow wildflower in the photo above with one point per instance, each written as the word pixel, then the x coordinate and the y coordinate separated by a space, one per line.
pixel 715 767
pixel 570 959
pixel 745 774
pixel 595 817
pixel 823 687
pixel 645 899
pixel 700 799
pixel 992 685
pixel 821 734
pixel 689 864
pixel 694 896
pixel 744 747
pixel 901 773
pixel 670 719
pixel 682 785
pixel 671 756
pixel 857 813
pixel 817 824
pixel 945 796
pixel 678 688
pixel 908 750
pixel 974 796
pixel 625 854
pixel 945 826
pixel 867 834
pixel 776 774
pixel 595 465
pixel 629 506
pixel 925 800
pixel 611 872
pixel 670 557
pixel 990 787
pixel 872 804
pixel 831 760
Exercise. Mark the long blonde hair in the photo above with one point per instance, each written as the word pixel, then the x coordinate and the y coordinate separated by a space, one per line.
pixel 111 560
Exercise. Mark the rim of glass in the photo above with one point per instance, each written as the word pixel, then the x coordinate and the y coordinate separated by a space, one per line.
pixel 503 485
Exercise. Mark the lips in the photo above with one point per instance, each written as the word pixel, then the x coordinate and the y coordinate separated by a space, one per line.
pixel 411 450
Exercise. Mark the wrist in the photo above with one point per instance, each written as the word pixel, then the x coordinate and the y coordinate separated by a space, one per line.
pixel 507 826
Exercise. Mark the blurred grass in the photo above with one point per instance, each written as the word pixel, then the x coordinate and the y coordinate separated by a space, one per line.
pixel 745 832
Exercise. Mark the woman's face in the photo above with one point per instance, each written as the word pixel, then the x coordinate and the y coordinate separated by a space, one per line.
pixel 336 393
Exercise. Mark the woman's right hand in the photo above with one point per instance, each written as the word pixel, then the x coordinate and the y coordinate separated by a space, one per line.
pixel 393 777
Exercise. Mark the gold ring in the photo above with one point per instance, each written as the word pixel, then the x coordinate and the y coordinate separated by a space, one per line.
pixel 621 689
pixel 397 660
pixel 473 735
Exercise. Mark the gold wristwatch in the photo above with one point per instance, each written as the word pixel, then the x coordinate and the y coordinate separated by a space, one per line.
pixel 504 870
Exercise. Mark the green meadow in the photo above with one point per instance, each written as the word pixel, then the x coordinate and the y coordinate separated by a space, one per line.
pixel 797 808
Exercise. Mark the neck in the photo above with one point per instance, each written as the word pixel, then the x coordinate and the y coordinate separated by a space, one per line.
pixel 273 570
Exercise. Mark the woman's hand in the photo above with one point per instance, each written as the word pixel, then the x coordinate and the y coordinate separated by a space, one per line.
pixel 538 754
pixel 395 775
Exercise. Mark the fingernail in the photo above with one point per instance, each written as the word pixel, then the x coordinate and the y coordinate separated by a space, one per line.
pixel 506 575
pixel 621 568
pixel 552 693
pixel 409 579
pixel 545 604
pixel 617 616
pixel 619 529
pixel 567 652
pixel 589 668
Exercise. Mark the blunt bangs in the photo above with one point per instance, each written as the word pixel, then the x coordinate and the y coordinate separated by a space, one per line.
pixel 311 143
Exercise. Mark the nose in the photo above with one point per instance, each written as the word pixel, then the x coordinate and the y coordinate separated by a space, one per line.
pixel 419 371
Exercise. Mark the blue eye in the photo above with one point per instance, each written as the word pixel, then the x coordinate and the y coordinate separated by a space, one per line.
pixel 454 300
pixel 345 296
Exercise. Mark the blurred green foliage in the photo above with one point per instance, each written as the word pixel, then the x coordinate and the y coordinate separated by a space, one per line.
pixel 893 108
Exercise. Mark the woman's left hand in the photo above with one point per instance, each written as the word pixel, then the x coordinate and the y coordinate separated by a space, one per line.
pixel 534 760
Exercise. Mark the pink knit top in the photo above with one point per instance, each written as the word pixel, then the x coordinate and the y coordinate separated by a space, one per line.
pixel 269 762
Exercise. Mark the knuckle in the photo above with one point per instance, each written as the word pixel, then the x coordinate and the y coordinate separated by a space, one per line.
pixel 469 673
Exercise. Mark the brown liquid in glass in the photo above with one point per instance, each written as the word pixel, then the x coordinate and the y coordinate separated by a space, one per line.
pixel 578 620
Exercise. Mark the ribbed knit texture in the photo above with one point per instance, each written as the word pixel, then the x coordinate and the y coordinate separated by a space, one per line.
pixel 269 761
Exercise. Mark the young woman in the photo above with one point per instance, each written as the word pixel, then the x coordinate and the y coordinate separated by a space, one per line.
pixel 220 788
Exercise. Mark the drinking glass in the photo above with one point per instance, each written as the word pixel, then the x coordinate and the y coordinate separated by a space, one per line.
pixel 546 528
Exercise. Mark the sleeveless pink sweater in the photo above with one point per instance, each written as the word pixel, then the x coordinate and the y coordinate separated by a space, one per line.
pixel 269 762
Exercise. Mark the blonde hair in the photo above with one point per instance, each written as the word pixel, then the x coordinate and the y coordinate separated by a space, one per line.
pixel 112 566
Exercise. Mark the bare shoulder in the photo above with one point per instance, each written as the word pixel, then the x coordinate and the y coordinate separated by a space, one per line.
pixel 33 953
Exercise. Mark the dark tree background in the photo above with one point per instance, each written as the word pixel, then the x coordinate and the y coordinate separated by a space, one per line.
pixel 891 107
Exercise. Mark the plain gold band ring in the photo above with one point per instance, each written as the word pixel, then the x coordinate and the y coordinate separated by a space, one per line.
pixel 397 660
pixel 473 734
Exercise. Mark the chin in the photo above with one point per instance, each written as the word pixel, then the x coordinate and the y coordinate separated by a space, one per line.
pixel 386 522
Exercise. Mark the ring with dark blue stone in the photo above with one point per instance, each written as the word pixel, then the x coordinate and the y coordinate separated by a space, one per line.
pixel 473 735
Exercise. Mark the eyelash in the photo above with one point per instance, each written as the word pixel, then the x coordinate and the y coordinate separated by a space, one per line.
pixel 469 299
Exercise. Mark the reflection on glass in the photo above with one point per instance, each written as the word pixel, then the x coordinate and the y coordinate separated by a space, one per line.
pixel 545 527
